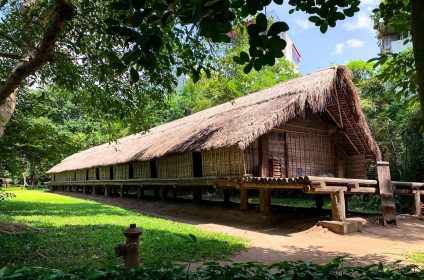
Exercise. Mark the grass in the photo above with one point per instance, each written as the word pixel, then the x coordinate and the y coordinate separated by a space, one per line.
pixel 75 233
pixel 417 258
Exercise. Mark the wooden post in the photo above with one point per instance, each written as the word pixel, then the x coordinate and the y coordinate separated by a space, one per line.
pixel 226 196
pixel 121 191
pixel 68 188
pixel 94 190
pixel 319 201
pixel 156 192
pixel 106 191
pixel 338 209
pixel 163 193
pixel 386 193
pixel 140 192
pixel 264 201
pixel 174 192
pixel 244 199
pixel 84 189
pixel 197 196
pixel 416 203
pixel 264 155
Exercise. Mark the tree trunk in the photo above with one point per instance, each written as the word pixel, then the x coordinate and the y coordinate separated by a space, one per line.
pixel 417 32
pixel 6 111
pixel 33 61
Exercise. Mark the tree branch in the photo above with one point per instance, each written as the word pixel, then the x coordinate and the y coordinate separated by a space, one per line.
pixel 63 12
pixel 10 55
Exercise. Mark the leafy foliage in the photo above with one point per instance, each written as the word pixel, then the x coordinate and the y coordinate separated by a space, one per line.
pixel 5 195
pixel 285 270
pixel 396 125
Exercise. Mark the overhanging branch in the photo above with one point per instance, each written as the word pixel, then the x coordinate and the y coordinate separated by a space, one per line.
pixel 63 12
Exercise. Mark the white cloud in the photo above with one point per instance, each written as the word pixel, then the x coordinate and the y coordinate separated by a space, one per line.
pixel 339 48
pixel 354 43
pixel 360 21
pixel 303 24
pixel 349 44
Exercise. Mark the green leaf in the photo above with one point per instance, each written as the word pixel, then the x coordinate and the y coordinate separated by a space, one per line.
pixel 323 28
pixel 238 60
pixel 257 65
pixel 315 19
pixel 134 75
pixel 276 44
pixel 138 4
pixel 244 57
pixel 279 2
pixel 277 27
pixel 261 21
pixel 121 5
pixel 248 68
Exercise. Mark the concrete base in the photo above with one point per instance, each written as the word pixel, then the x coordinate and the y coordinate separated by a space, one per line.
pixel 346 227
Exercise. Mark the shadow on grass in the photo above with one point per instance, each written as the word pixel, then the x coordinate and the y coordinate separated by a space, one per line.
pixel 71 247
pixel 26 208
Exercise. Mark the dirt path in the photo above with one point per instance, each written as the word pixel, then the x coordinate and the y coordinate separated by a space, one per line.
pixel 290 234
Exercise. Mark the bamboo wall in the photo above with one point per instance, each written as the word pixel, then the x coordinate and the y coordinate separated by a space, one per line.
pixel 356 167
pixel 223 162
pixel 67 176
pixel 141 169
pixel 104 173
pixel 175 166
pixel 92 174
pixel 81 175
pixel 294 151
pixel 121 172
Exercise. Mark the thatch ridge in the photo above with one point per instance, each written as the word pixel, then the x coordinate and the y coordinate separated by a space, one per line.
pixel 235 123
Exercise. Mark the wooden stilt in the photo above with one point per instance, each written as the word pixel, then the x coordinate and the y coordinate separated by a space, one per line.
pixel 156 192
pixel 244 199
pixel 106 191
pixel 163 193
pixel 338 209
pixel 121 191
pixel 226 197
pixel 84 189
pixel 386 193
pixel 197 196
pixel 94 190
pixel 174 192
pixel 319 201
pixel 264 201
pixel 416 204
pixel 140 191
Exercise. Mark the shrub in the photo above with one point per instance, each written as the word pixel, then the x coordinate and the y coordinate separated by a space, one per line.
pixel 284 270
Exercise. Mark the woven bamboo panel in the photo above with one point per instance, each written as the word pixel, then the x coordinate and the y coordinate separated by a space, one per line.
pixel 141 169
pixel 223 162
pixel 277 154
pixel 104 173
pixel 252 159
pixel 356 167
pixel 175 166
pixel 92 174
pixel 67 176
pixel 81 175
pixel 121 171
pixel 310 154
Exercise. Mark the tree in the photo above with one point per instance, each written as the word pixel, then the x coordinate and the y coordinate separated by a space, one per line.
pixel 396 126
pixel 105 47
pixel 405 70
pixel 48 126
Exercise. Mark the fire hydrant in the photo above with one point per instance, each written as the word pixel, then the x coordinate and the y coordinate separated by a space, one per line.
pixel 131 249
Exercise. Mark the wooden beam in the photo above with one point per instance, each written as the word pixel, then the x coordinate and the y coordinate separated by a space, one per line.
pixel 341 181
pixel 244 199
pixel 338 208
pixel 386 192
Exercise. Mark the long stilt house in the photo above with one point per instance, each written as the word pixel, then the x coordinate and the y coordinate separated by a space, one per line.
pixel 304 134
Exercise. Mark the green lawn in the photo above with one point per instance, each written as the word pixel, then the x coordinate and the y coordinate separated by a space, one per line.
pixel 75 233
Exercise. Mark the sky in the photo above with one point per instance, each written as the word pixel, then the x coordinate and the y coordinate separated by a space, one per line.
pixel 351 39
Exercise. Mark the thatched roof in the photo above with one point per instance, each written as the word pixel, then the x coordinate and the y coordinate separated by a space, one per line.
pixel 235 123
